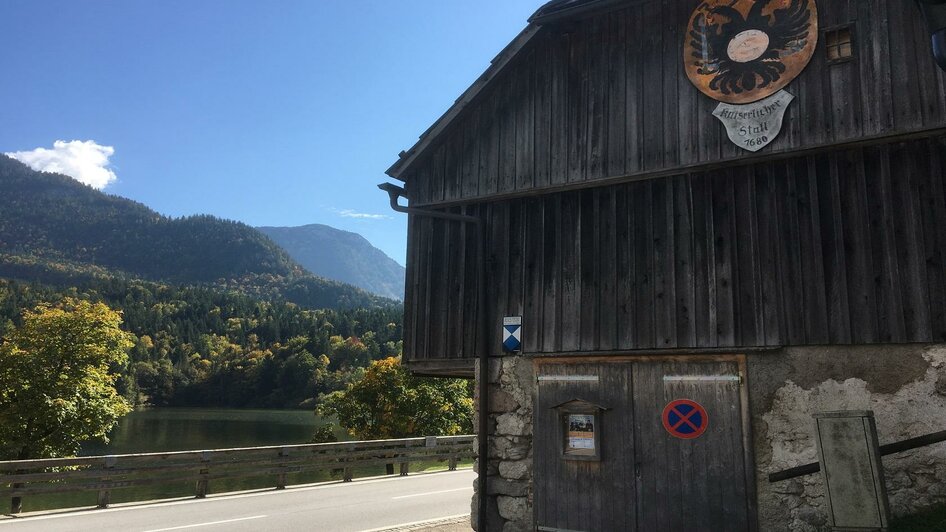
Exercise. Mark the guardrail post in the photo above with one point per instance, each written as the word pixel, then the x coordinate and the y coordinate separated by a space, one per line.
pixel 452 464
pixel 281 477
pixel 346 476
pixel 105 494
pixel 16 503
pixel 404 468
pixel 204 473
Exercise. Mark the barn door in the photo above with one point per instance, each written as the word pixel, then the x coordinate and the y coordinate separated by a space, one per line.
pixel 585 494
pixel 686 482
pixel 685 470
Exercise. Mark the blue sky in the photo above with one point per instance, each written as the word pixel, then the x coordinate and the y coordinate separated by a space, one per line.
pixel 269 112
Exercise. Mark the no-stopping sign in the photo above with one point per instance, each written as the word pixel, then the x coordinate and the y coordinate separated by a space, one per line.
pixel 685 419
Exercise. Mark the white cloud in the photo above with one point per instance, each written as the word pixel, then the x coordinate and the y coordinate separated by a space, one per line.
pixel 348 213
pixel 85 161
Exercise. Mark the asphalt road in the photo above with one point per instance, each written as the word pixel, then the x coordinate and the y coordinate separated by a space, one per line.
pixel 355 506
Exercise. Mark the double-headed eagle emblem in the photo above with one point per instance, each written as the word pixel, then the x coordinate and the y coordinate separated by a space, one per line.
pixel 740 51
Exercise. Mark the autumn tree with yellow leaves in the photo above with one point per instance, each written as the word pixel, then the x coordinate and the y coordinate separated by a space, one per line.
pixel 57 379
pixel 390 402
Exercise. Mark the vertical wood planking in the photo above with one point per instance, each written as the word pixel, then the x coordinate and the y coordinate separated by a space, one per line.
pixel 570 286
pixel 577 108
pixel 625 266
pixel 559 64
pixel 634 91
pixel 809 224
pixel 664 274
pixel 542 156
pixel 507 133
pixel 644 300
pixel 834 248
pixel 616 97
pixel 886 272
pixel 747 282
pixel 909 239
pixel 704 282
pixel 533 265
pixel 588 263
pixel 725 234
pixel 525 122
pixel 516 238
pixel 552 274
pixel 934 232
pixel 789 265
pixel 606 96
pixel 833 242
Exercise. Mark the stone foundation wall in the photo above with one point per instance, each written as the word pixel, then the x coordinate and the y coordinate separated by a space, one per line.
pixel 905 386
pixel 509 465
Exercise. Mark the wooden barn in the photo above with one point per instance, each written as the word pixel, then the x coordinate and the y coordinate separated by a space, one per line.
pixel 676 230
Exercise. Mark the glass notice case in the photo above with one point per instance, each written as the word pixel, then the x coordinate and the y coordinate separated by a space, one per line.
pixel 581 430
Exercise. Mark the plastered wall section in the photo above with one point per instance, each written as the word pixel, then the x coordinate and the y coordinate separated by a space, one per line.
pixel 905 386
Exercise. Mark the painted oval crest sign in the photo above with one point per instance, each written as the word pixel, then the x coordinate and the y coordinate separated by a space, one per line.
pixel 741 51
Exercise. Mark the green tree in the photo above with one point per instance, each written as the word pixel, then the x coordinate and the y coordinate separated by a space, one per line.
pixel 390 402
pixel 57 379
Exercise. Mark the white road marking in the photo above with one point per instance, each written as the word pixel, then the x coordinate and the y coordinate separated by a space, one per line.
pixel 207 524
pixel 417 523
pixel 221 497
pixel 431 493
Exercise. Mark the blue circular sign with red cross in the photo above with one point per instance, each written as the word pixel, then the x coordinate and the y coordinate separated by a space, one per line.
pixel 685 419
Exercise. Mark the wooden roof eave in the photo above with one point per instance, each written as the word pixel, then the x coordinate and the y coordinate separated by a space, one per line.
pixel 497 65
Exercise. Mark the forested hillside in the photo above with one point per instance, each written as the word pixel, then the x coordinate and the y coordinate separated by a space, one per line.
pixel 197 346
pixel 50 222
pixel 341 255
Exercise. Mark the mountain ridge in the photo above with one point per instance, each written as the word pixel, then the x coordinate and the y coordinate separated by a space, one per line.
pixel 49 219
pixel 342 255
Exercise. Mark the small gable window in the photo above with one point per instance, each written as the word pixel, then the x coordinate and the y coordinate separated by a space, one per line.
pixel 839 43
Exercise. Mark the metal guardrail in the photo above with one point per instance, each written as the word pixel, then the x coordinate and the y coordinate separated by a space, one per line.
pixel 21 478
pixel 890 448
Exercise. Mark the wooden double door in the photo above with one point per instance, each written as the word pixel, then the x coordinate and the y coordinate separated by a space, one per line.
pixel 670 446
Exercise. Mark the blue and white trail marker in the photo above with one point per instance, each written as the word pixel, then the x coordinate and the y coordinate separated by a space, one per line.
pixel 512 334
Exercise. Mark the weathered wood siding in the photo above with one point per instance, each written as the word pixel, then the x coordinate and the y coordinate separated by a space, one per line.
pixel 607 97
pixel 831 248
pixel 646 479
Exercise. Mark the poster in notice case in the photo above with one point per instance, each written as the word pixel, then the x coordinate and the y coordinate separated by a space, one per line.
pixel 581 433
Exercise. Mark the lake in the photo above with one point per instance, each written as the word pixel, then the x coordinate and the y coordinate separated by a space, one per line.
pixel 185 429
pixel 154 430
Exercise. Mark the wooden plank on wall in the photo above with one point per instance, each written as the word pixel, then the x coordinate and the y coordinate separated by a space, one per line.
pixel 684 258
pixel 664 264
pixel 832 241
pixel 909 241
pixel 644 300
pixel 617 95
pixel 588 264
pixel 809 224
pixel 552 274
pixel 607 269
pixel 570 300
pixel 724 240
pixel 747 279
pixel 624 264
pixel 526 95
pixel 934 232
pixel 835 248
pixel 578 81
pixel 542 156
pixel 533 264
